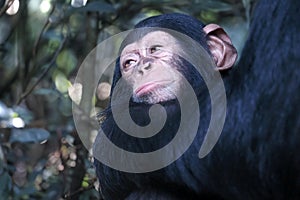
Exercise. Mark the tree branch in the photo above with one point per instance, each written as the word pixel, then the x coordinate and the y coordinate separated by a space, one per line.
pixel 30 89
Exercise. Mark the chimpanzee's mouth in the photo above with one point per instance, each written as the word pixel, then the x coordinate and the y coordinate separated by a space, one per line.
pixel 150 86
pixel 144 89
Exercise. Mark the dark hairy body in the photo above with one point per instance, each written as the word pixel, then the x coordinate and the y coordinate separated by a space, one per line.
pixel 257 155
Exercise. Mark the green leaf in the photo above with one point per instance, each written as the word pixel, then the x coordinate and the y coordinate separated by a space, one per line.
pixel 209 16
pixel 66 61
pixel 5 113
pixel 61 82
pixel 75 92
pixel 25 114
pixel 6 185
pixel 50 94
pixel 85 184
pixel 46 92
pixel 95 6
pixel 65 106
pixel 213 5
pixel 35 135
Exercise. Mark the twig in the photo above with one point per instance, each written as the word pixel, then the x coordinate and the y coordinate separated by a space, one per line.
pixel 30 89
pixel 79 191
pixel 36 44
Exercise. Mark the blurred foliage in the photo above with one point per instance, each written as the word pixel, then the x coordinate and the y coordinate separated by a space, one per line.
pixel 42 45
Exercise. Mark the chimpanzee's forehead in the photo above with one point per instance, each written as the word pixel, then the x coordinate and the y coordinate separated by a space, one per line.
pixel 156 37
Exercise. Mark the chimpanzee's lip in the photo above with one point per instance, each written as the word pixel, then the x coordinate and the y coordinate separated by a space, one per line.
pixel 150 86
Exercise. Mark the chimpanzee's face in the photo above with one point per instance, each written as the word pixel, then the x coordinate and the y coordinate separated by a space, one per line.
pixel 149 67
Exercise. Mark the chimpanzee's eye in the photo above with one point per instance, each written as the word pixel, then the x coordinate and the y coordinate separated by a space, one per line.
pixel 128 63
pixel 154 49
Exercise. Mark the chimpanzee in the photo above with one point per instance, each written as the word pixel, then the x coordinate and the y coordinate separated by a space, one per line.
pixel 256 156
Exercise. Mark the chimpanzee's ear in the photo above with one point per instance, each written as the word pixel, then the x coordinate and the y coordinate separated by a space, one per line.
pixel 220 45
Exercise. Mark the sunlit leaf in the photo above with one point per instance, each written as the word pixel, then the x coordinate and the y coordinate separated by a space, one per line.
pixel 208 16
pixel 23 113
pixel 85 184
pixel 75 92
pixel 61 82
pixel 78 3
pixel 17 122
pixel 151 13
